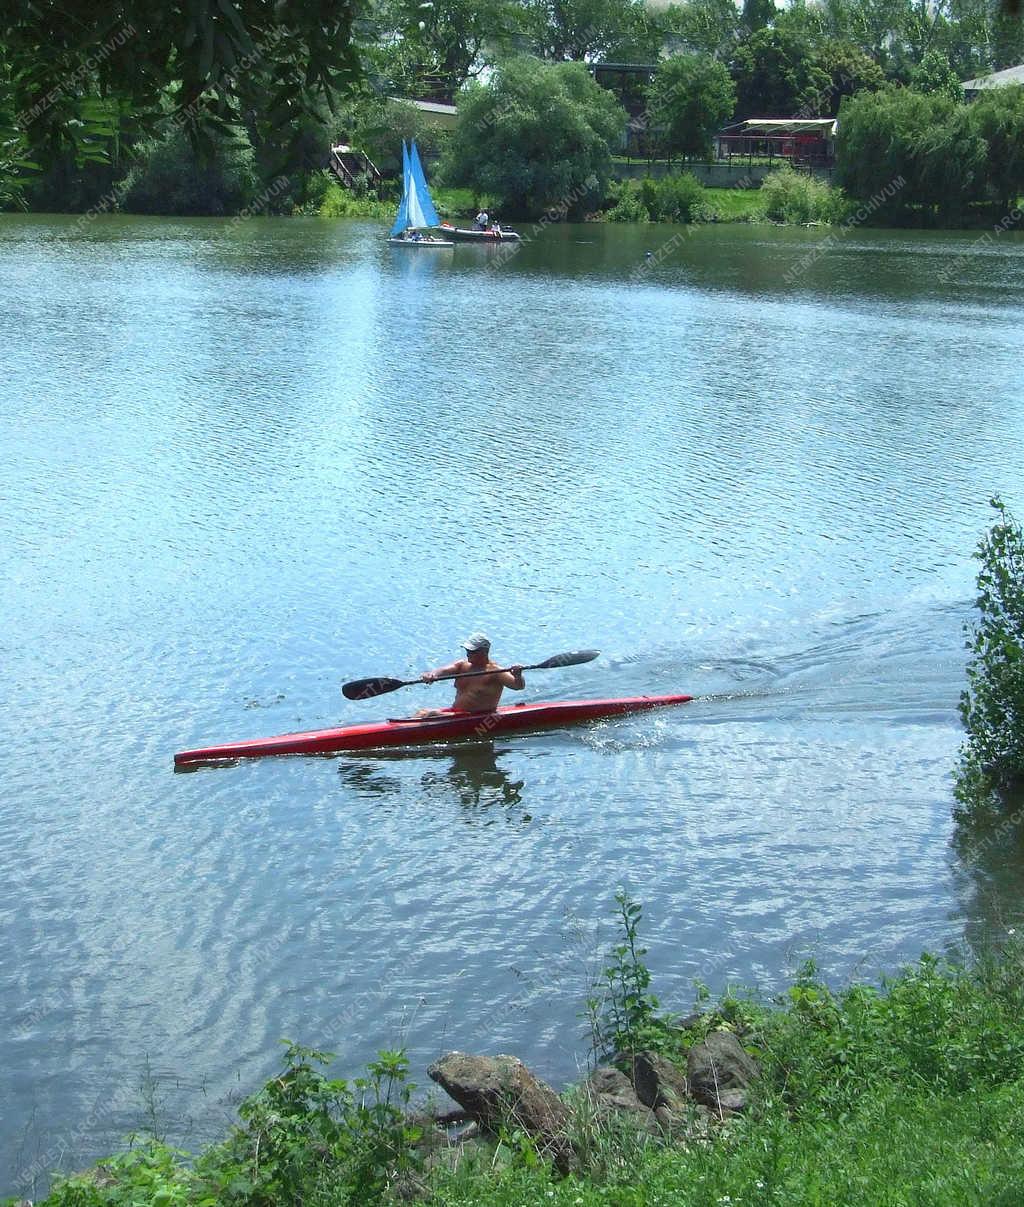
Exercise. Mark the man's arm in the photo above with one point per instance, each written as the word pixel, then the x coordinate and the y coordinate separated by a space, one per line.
pixel 444 672
pixel 513 678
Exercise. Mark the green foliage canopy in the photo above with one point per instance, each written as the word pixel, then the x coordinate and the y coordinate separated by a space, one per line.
pixel 702 26
pixel 537 137
pixel 428 50
pixel 928 141
pixel 998 116
pixel 775 70
pixel 69 62
pixel 578 30
pixel 690 97
pixel 934 74
pixel 848 70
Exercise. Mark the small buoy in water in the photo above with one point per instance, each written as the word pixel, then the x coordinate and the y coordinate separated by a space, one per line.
pixel 648 255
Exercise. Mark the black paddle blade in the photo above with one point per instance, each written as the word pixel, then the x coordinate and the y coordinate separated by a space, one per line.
pixel 574 658
pixel 366 689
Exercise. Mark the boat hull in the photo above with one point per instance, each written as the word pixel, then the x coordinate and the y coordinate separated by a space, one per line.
pixel 421 242
pixel 448 724
pixel 460 235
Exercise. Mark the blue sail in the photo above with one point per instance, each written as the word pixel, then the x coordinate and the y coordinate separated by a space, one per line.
pixel 402 217
pixel 420 195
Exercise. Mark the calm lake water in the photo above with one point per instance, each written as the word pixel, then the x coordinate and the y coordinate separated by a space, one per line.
pixel 246 462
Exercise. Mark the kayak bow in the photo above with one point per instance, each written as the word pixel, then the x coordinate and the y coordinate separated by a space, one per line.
pixel 445 725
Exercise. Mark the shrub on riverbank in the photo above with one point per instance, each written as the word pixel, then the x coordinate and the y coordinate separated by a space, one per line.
pixel 339 202
pixel 785 196
pixel 992 707
pixel 676 198
pixel 910 1092
pixel 793 198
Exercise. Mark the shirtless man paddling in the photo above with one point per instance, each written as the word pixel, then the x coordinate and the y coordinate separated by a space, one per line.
pixel 482 692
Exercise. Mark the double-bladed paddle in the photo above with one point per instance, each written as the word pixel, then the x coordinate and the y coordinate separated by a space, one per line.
pixel 366 689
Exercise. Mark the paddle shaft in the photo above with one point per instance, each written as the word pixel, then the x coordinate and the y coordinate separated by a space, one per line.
pixel 498 670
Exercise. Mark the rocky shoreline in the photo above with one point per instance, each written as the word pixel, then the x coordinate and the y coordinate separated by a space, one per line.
pixel 645 1089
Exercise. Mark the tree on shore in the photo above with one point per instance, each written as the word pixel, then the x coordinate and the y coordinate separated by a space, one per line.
pixel 537 137
pixel 847 70
pixel 579 30
pixel 992 706
pixel 934 74
pixel 998 116
pixel 701 27
pixel 927 141
pixel 690 97
pixel 429 49
pixel 774 70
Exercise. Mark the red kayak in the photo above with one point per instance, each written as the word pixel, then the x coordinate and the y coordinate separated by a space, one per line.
pixel 412 731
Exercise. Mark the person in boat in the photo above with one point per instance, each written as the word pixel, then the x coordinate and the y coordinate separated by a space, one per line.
pixel 481 221
pixel 482 692
pixel 496 229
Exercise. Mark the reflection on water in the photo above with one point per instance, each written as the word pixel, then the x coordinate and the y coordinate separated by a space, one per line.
pixel 988 874
pixel 471 778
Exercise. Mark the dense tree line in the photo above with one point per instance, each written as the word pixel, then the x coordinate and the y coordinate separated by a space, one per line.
pixel 235 94
pixel 945 154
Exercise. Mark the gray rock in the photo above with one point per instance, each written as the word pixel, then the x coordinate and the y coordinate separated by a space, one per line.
pixel 612 1087
pixel 720 1072
pixel 501 1091
pixel 691 1123
pixel 610 1090
pixel 658 1082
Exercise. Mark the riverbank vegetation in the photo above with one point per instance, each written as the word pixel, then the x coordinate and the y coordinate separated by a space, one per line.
pixel 943 156
pixel 786 197
pixel 991 770
pixel 99 112
pixel 909 1091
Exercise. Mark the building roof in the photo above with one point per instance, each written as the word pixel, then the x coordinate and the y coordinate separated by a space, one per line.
pixel 427 106
pixel 998 79
pixel 785 125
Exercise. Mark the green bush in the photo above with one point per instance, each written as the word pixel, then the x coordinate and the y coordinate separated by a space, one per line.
pixel 992 706
pixel 304 1138
pixel 170 178
pixel 788 196
pixel 339 202
pixel 674 198
pixel 628 204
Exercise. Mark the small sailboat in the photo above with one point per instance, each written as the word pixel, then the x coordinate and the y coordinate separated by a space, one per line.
pixel 416 212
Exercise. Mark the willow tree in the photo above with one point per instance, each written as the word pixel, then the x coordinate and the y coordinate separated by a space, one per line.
pixel 536 138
